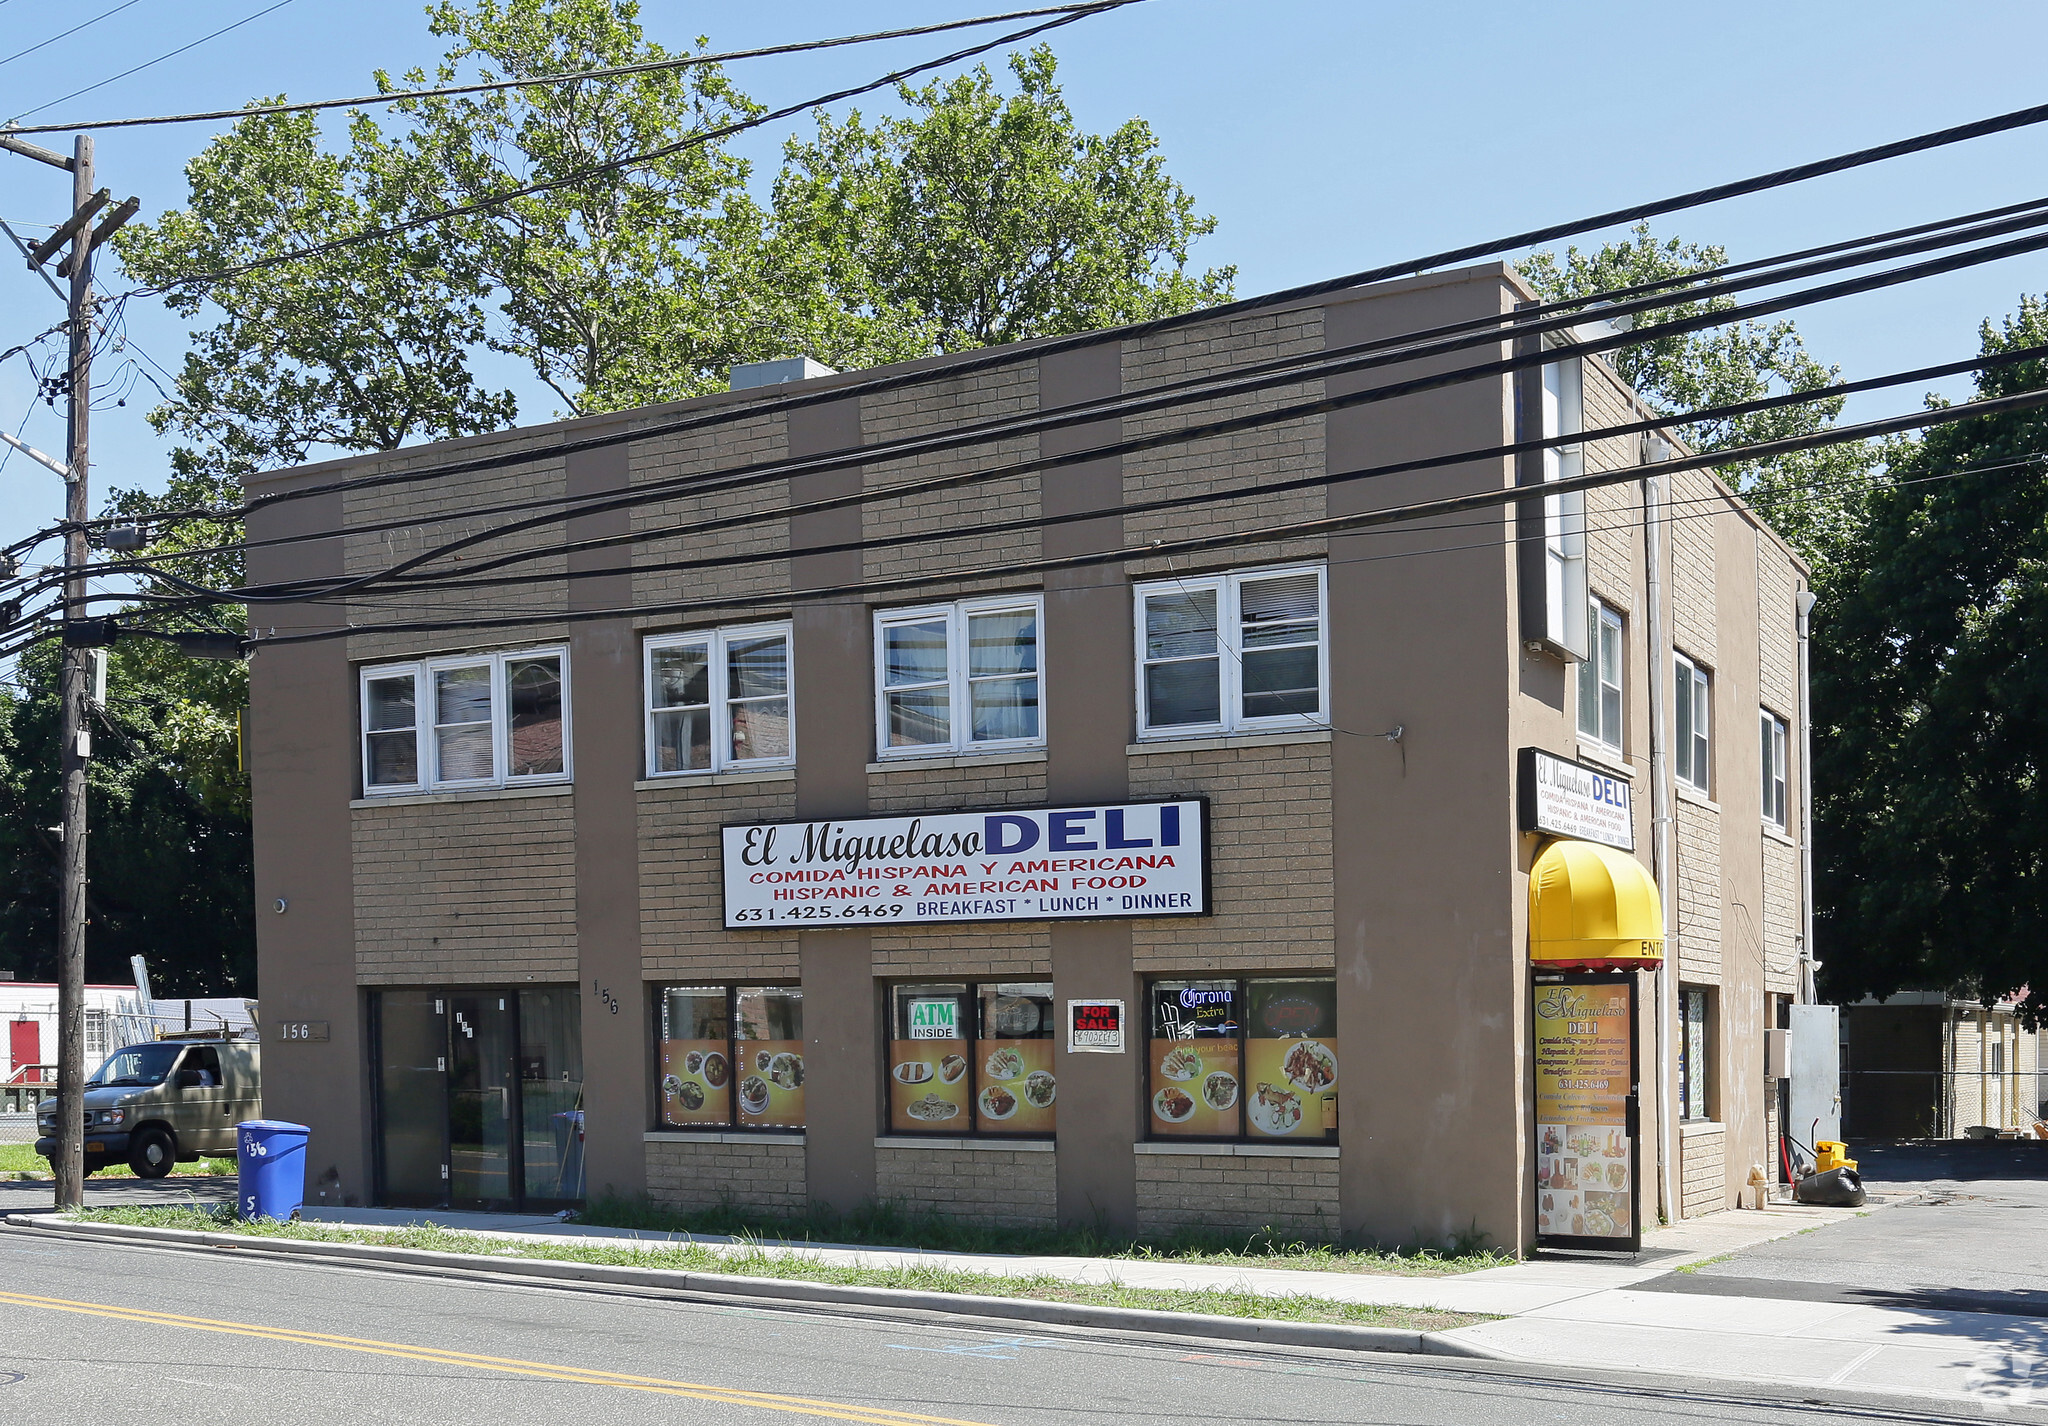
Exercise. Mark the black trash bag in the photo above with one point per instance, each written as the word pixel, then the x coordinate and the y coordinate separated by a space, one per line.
pixel 1837 1188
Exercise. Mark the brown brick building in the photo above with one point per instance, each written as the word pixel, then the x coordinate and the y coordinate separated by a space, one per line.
pixel 494 853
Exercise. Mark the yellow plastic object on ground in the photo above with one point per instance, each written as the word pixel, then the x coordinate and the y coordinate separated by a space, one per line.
pixel 1834 1154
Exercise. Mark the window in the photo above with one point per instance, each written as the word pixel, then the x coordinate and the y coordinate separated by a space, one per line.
pixel 482 720
pixel 1772 750
pixel 1695 1069
pixel 732 1057
pixel 1600 678
pixel 1564 516
pixel 1222 653
pixel 1243 1059
pixel 1689 743
pixel 969 1058
pixel 957 677
pixel 718 700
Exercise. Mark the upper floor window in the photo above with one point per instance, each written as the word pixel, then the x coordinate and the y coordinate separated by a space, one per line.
pixel 1563 571
pixel 471 720
pixel 1689 743
pixel 1772 749
pixel 958 677
pixel 1600 678
pixel 1222 653
pixel 718 700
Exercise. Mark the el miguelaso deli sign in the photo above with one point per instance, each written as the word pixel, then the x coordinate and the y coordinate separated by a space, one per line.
pixel 1125 859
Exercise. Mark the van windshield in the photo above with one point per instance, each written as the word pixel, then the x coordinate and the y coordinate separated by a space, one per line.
pixel 138 1064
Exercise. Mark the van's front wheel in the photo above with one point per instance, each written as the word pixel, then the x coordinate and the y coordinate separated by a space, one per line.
pixel 152 1153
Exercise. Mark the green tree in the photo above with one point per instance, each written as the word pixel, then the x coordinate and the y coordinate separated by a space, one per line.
pixel 1814 498
pixel 169 848
pixel 1931 710
pixel 980 219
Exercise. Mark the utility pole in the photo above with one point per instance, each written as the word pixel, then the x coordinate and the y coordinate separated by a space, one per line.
pixel 74 682
pixel 77 735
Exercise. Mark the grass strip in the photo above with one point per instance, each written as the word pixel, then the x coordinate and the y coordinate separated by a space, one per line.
pixel 888 1225
pixel 23 1159
pixel 751 1259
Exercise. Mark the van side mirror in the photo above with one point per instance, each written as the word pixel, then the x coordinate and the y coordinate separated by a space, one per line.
pixel 186 1079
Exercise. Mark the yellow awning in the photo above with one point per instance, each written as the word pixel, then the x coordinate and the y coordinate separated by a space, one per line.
pixel 1592 906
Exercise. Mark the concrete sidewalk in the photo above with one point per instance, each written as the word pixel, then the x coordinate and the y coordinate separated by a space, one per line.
pixel 1555 1311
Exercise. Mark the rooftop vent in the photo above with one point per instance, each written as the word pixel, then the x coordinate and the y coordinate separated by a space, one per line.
pixel 774 373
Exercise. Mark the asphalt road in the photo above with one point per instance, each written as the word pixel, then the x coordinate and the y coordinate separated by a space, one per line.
pixel 1974 1238
pixel 100 1332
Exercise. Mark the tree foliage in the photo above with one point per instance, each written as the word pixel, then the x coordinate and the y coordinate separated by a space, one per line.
pixel 1813 498
pixel 977 217
pixel 984 219
pixel 168 852
pixel 1931 710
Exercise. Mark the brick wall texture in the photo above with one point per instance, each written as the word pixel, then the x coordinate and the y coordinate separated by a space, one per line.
pixel 1271 874
pixel 1010 1188
pixel 1296 1197
pixel 487 895
pixel 689 1175
pixel 1702 1183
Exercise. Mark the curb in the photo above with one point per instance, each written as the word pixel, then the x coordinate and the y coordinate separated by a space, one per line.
pixel 1259 1330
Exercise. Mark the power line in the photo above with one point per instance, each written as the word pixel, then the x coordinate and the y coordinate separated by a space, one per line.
pixel 148 64
pixel 1319 527
pixel 657 491
pixel 697 140
pixel 540 80
pixel 82 24
pixel 1798 173
pixel 1405 346
pixel 470 576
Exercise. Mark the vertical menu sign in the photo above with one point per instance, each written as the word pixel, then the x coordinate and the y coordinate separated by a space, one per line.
pixel 1585 1112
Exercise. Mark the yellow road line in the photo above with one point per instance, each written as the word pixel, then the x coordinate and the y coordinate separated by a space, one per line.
pixel 731 1396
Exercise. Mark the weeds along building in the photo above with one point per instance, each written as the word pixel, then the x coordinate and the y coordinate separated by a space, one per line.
pixel 1191 888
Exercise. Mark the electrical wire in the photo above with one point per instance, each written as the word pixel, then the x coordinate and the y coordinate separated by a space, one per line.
pixel 1982 223
pixel 149 64
pixel 542 80
pixel 82 24
pixel 474 578
pixel 697 140
pixel 1798 173
pixel 657 491
pixel 1158 549
pixel 1720 507
pixel 1407 346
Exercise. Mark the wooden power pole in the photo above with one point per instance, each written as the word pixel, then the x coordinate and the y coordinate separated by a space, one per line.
pixel 74 683
pixel 73 686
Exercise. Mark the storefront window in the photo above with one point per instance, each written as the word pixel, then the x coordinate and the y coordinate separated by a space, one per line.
pixel 1244 1059
pixel 732 1057
pixel 971 1058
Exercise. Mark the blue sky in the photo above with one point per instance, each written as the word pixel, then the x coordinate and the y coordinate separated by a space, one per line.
pixel 1325 137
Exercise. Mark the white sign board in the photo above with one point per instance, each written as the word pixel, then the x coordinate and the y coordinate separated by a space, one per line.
pixel 1570 799
pixel 1114 860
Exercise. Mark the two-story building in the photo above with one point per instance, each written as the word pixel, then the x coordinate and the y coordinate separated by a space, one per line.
pixel 805 807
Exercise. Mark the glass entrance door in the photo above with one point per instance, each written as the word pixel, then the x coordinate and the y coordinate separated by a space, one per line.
pixel 480 1098
pixel 480 1090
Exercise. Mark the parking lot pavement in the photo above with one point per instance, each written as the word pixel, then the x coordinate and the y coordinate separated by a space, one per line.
pixel 1969 1237
pixel 38 1196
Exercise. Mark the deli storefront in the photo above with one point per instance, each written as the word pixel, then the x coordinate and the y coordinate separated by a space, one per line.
pixel 1221 1059
pixel 1595 932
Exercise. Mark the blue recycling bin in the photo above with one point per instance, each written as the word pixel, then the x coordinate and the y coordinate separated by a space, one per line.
pixel 270 1166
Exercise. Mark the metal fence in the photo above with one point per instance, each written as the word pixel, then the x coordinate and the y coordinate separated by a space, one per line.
pixel 1940 1104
